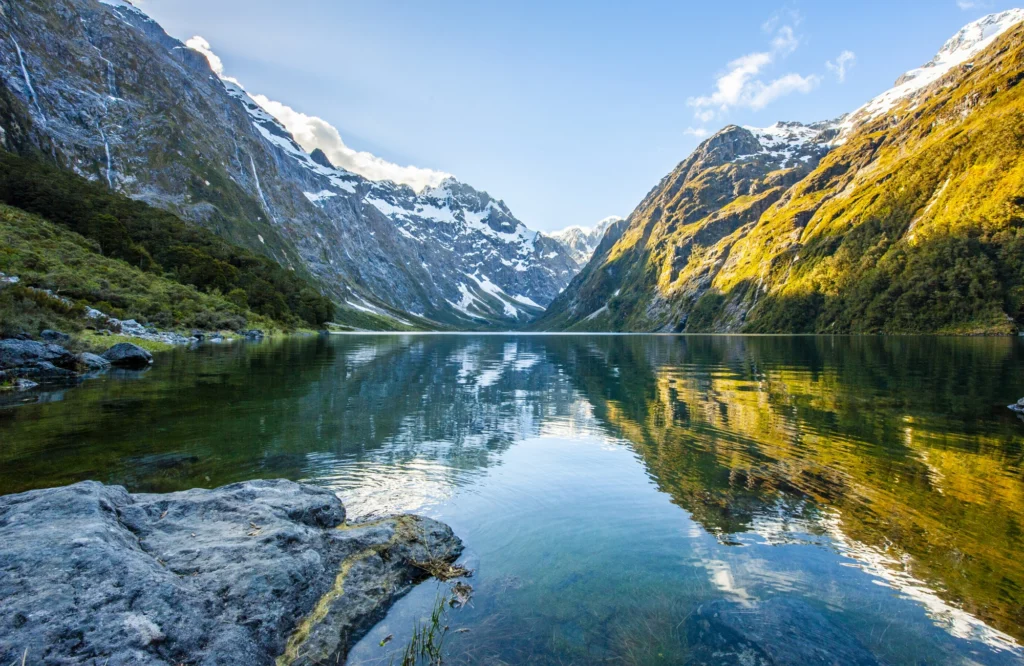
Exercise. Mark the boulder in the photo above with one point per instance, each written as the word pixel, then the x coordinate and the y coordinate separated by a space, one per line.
pixel 254 334
pixel 56 337
pixel 43 370
pixel 93 574
pixel 15 353
pixel 127 355
pixel 92 362
pixel 131 327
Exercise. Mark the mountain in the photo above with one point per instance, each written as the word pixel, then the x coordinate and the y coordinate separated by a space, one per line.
pixel 902 216
pixel 582 241
pixel 101 89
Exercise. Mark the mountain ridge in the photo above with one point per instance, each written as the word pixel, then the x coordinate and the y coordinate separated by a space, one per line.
pixel 116 99
pixel 756 235
pixel 582 241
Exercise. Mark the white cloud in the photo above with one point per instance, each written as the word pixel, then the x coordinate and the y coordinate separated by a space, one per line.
pixel 846 60
pixel 197 43
pixel 785 41
pixel 764 94
pixel 699 132
pixel 969 4
pixel 742 85
pixel 312 132
pixel 789 16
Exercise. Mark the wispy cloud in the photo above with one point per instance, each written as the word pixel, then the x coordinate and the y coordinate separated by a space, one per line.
pixel 699 132
pixel 312 132
pixel 845 61
pixel 197 43
pixel 743 83
pixel 969 4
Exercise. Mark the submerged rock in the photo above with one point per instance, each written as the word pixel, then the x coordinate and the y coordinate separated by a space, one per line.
pixel 779 631
pixel 127 355
pixel 243 574
pixel 15 384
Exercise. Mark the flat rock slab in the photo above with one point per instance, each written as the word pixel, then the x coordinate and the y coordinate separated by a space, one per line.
pixel 251 573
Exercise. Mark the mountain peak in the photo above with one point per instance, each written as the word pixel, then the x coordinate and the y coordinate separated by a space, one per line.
pixel 583 241
pixel 969 41
pixel 320 157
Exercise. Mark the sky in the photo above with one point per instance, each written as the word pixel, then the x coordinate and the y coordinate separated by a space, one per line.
pixel 568 111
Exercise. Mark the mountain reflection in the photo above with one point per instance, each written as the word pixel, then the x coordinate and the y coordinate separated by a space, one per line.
pixel 898 450
pixel 898 453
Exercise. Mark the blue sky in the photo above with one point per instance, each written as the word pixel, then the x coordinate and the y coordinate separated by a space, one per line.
pixel 569 111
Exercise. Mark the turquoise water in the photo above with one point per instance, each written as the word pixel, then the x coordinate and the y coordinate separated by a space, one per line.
pixel 623 499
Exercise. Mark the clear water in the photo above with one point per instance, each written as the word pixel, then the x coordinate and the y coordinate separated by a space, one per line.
pixel 612 489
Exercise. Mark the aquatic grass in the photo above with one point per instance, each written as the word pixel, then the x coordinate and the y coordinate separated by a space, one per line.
pixel 442 568
pixel 426 646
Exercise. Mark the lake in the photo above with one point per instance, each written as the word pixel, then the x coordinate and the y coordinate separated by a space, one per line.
pixel 623 499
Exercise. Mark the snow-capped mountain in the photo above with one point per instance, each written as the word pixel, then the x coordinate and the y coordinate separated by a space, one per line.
pixel 115 98
pixel 972 39
pixel 838 226
pixel 582 241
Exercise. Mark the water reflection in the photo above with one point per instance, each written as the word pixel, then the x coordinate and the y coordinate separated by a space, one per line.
pixel 875 481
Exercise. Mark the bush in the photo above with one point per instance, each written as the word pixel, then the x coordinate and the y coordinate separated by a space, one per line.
pixel 158 242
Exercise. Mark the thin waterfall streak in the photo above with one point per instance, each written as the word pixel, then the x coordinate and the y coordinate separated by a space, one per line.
pixel 110 163
pixel 28 80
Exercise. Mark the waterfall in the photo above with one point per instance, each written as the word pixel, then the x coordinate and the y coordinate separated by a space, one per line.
pixel 28 80
pixel 260 190
pixel 111 78
pixel 110 165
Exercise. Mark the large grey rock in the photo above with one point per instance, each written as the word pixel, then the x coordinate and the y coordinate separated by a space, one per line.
pixel 778 631
pixel 92 362
pixel 90 574
pixel 18 353
pixel 127 355
pixel 56 337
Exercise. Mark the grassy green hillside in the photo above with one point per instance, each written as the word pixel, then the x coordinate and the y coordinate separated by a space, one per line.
pixel 913 224
pixel 158 242
pixel 45 255
pixel 130 260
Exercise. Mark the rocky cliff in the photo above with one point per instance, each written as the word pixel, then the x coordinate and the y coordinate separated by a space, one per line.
pixel 107 93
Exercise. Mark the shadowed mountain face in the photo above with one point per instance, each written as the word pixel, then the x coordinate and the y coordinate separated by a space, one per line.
pixel 898 454
pixel 902 216
pixel 101 89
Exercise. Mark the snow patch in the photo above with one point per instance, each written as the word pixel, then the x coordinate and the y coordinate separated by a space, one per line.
pixel 972 39
pixel 318 197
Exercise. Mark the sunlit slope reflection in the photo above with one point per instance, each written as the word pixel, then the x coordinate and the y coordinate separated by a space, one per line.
pixel 891 447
